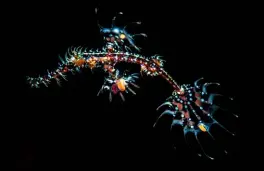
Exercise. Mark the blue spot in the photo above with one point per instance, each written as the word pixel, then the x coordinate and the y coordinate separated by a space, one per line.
pixel 116 30
pixel 106 30
pixel 193 111
pixel 201 108
pixel 202 100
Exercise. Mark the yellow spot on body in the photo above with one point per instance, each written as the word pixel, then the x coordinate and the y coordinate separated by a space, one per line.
pixel 158 62
pixel 104 59
pixel 202 127
pixel 122 36
pixel 143 67
pixel 79 62
pixel 91 63
pixel 121 84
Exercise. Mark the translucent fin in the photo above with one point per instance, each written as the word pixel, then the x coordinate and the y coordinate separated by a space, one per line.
pixel 166 112
pixel 58 81
pixel 134 85
pixel 197 83
pixel 110 96
pixel 131 90
pixel 122 96
pixel 216 122
pixel 165 104
pixel 208 84
pixel 197 139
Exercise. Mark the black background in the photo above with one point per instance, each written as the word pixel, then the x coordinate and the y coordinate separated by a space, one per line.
pixel 70 124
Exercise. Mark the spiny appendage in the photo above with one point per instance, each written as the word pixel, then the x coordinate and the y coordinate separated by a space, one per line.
pixel 157 59
pixel 77 58
pixel 56 75
pixel 64 66
pixel 152 66
pixel 193 108
pixel 74 60
pixel 118 83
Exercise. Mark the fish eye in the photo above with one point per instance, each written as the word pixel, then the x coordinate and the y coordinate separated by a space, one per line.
pixel 122 36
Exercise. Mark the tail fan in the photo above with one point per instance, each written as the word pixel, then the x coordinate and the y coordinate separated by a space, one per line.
pixel 193 108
